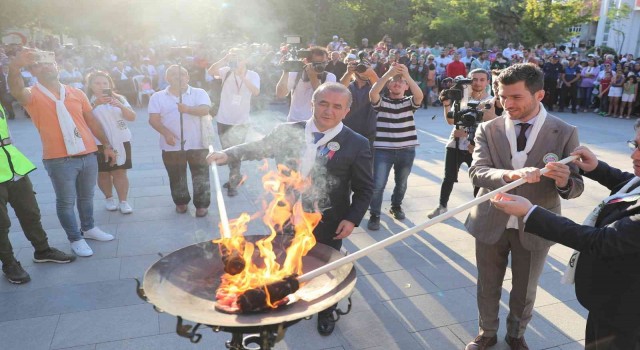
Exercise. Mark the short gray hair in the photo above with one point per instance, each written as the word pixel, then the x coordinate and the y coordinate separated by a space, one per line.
pixel 332 87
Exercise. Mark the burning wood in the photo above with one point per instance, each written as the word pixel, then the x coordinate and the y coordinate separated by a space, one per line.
pixel 244 291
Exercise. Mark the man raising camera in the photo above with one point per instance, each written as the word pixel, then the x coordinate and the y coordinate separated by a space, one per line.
pixel 459 147
pixel 359 79
pixel 301 86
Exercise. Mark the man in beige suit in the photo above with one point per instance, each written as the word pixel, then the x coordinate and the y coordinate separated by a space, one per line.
pixel 515 146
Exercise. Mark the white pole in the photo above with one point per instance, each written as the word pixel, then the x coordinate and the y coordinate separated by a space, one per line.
pixel 224 220
pixel 406 233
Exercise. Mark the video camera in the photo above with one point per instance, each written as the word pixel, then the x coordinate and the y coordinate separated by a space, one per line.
pixel 363 63
pixel 467 118
pixel 293 60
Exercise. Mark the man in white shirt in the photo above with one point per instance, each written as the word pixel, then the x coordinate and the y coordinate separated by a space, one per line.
pixel 181 141
pixel 238 86
pixel 302 87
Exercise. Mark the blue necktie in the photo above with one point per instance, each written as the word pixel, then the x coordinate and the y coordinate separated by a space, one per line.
pixel 317 136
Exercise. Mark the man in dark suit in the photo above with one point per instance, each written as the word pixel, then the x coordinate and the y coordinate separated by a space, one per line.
pixel 607 273
pixel 508 148
pixel 337 159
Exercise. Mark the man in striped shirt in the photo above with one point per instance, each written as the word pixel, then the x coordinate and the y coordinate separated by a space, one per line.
pixel 396 138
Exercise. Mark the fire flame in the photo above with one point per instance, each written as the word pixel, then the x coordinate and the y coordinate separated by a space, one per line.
pixel 284 212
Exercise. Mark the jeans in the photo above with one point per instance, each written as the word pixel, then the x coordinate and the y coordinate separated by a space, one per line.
pixel 176 164
pixel 232 135
pixel 401 160
pixel 74 178
pixel 585 97
pixel 569 94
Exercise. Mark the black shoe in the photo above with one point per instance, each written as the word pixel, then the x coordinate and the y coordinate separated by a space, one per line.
pixel 374 223
pixel 326 322
pixel 397 213
pixel 53 255
pixel 574 111
pixel 226 184
pixel 15 273
pixel 232 192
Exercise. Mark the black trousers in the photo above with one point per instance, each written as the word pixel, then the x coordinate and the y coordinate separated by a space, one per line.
pixel 23 200
pixel 453 158
pixel 601 335
pixel 232 135
pixel 550 93
pixel 176 164
pixel 569 94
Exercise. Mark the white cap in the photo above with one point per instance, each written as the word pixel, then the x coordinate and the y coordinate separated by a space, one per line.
pixel 335 37
pixel 352 57
pixel 574 53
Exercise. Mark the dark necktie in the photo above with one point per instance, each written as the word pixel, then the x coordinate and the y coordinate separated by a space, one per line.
pixel 522 136
pixel 317 136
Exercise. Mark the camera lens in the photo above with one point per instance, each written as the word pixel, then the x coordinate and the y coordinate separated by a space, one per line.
pixel 361 68
pixel 318 67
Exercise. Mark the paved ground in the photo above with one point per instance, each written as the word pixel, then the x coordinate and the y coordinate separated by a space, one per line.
pixel 417 294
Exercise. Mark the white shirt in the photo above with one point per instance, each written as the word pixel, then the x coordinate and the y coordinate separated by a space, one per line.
pixel 301 97
pixel 235 97
pixel 442 61
pixel 166 104
pixel 105 112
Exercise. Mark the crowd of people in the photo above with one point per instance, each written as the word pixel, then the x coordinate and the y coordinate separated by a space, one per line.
pixel 351 120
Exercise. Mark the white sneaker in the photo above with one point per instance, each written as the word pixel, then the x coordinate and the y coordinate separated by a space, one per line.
pixel 437 211
pixel 81 248
pixel 110 204
pixel 125 208
pixel 97 234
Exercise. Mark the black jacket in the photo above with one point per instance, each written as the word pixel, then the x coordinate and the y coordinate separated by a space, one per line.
pixel 348 170
pixel 608 271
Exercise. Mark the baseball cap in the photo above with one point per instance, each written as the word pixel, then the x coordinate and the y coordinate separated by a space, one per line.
pixel 555 57
pixel 574 53
pixel 571 58
pixel 335 37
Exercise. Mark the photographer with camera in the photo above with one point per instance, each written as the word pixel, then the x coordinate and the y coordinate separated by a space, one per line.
pixel 359 79
pixel 239 84
pixel 301 78
pixel 396 138
pixel 465 121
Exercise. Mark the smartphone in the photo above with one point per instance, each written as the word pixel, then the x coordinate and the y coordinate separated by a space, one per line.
pixel 46 57
pixel 107 92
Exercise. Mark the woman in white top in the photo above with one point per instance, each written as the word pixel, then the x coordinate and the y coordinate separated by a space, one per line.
pixel 112 111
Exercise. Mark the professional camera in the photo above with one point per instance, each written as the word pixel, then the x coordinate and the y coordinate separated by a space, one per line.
pixel 468 118
pixel 456 92
pixel 363 63
pixel 293 61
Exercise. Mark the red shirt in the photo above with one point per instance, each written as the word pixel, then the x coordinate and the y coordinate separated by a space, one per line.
pixel 456 68
pixel 605 83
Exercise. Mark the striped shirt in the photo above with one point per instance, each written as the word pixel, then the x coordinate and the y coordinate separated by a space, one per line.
pixel 395 127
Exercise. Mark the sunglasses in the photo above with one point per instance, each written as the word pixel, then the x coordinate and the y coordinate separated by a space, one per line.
pixel 633 145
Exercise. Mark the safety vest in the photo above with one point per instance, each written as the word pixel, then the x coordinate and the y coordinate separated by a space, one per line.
pixel 12 161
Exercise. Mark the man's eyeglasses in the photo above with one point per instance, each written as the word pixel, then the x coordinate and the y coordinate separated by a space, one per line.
pixel 633 145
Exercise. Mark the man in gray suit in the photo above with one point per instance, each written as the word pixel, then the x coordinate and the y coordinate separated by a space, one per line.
pixel 508 148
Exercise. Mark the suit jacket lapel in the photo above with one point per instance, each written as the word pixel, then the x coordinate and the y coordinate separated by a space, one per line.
pixel 501 144
pixel 547 138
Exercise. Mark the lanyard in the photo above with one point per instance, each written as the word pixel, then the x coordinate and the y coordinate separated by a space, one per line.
pixel 239 86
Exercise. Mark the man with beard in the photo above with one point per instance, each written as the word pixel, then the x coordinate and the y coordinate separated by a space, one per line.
pixel 458 149
pixel 509 148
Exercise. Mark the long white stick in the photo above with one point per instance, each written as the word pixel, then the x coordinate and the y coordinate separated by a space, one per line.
pixel 408 232
pixel 224 219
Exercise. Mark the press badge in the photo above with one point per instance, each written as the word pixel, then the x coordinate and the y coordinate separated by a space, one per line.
pixel 236 99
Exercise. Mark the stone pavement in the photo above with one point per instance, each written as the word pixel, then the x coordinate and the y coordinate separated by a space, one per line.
pixel 416 294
